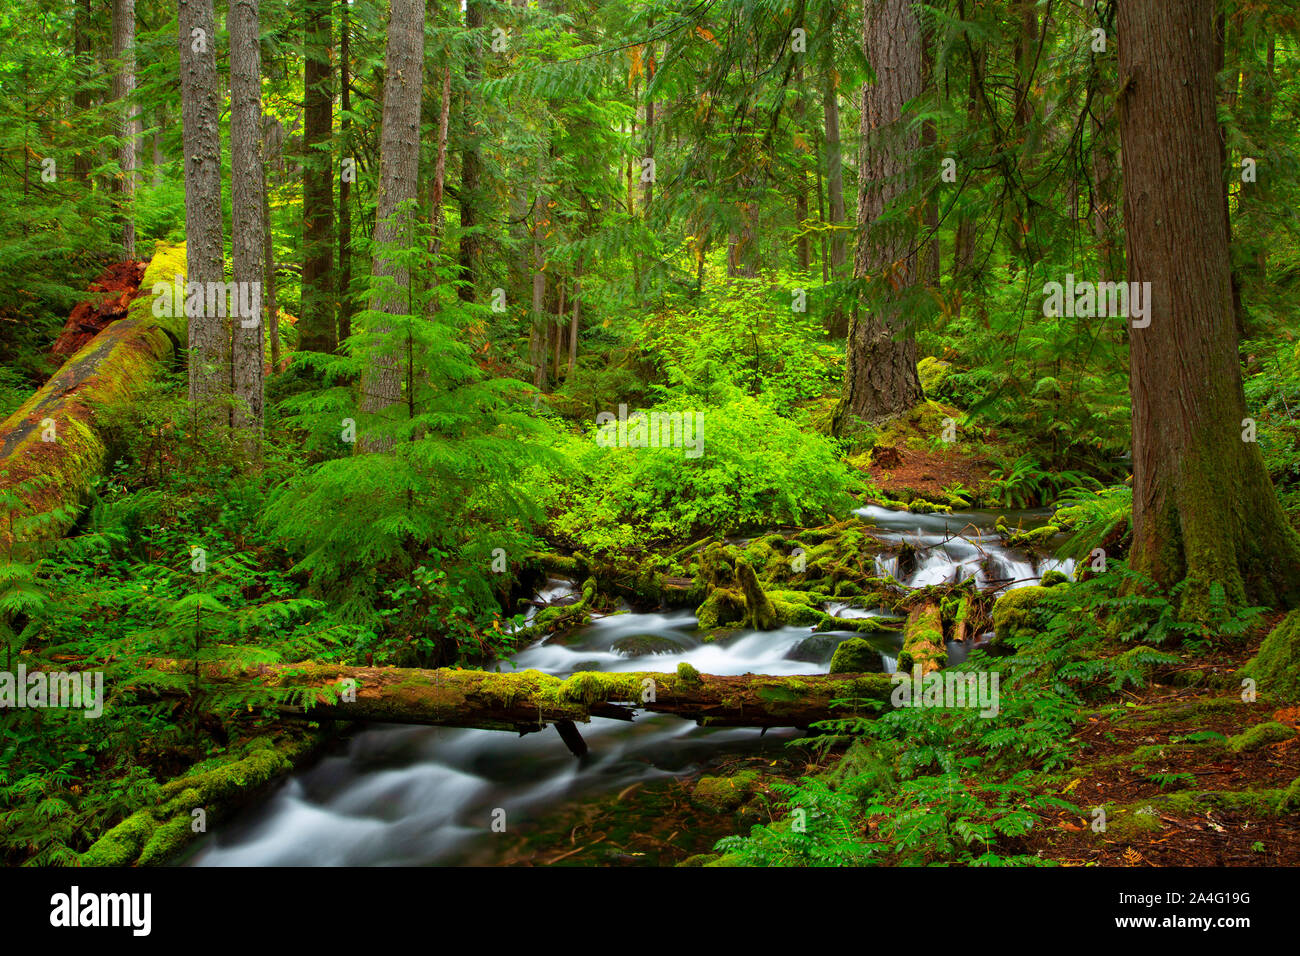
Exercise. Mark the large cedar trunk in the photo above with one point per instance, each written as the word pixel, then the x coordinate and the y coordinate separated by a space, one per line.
pixel 399 160
pixel 316 325
pixel 123 93
pixel 880 377
pixel 1203 506
pixel 247 187
pixel 209 335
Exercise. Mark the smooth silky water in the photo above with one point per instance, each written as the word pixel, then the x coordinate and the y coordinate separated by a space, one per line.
pixel 406 795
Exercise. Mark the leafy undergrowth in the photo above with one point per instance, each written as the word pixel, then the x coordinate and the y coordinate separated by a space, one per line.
pixel 1106 749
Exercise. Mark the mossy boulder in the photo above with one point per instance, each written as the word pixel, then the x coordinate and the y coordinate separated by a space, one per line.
pixel 933 372
pixel 1018 613
pixel 722 608
pixel 642 645
pixel 724 794
pixel 1276 668
pixel 855 656
pixel 819 649
pixel 1054 577
pixel 1261 735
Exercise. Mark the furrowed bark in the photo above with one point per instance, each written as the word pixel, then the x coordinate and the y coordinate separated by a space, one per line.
pixel 53 445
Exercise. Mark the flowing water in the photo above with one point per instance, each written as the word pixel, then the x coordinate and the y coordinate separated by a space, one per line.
pixel 430 795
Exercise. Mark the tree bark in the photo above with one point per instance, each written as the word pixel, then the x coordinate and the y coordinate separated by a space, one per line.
pixel 248 225
pixel 837 323
pixel 470 161
pixel 209 335
pixel 345 184
pixel 399 162
pixel 81 96
pixel 123 96
pixel 880 377
pixel 317 331
pixel 1204 509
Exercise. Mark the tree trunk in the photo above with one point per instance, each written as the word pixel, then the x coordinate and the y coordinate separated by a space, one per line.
pixel 317 332
pixel 248 225
pixel 399 163
pixel 345 183
pixel 123 96
pixel 837 322
pixel 881 379
pixel 470 162
pixel 209 335
pixel 81 96
pixel 436 218
pixel 1204 509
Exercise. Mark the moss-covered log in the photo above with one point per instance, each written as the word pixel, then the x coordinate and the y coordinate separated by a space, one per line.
pixel 923 640
pixel 529 700
pixel 53 445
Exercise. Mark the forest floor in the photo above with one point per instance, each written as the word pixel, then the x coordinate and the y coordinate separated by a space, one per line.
pixel 903 473
pixel 1188 775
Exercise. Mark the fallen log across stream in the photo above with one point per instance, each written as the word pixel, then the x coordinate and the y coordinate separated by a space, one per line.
pixel 527 701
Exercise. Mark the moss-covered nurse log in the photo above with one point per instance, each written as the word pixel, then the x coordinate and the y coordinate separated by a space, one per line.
pixel 53 445
pixel 530 700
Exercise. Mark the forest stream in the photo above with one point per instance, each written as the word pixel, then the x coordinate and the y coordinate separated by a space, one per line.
pixel 417 795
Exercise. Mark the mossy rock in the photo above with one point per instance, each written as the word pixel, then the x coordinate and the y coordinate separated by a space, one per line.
pixel 933 372
pixel 1054 577
pixel 1130 823
pixel 723 607
pixel 1276 668
pixel 699 859
pixel 820 649
pixel 855 656
pixel 790 614
pixel 724 794
pixel 1261 735
pixel 917 427
pixel 642 645
pixel 1290 799
pixel 1017 613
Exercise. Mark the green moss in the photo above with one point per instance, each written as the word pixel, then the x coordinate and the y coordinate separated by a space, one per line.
pixel 687 674
pixel 699 859
pixel 724 794
pixel 587 687
pixel 1276 668
pixel 855 656
pixel 933 372
pixel 1261 735
pixel 1015 615
pixel 121 845
pixel 167 840
pixel 722 608
pixel 1054 577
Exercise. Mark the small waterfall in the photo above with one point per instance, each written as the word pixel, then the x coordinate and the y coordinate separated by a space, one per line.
pixel 417 795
